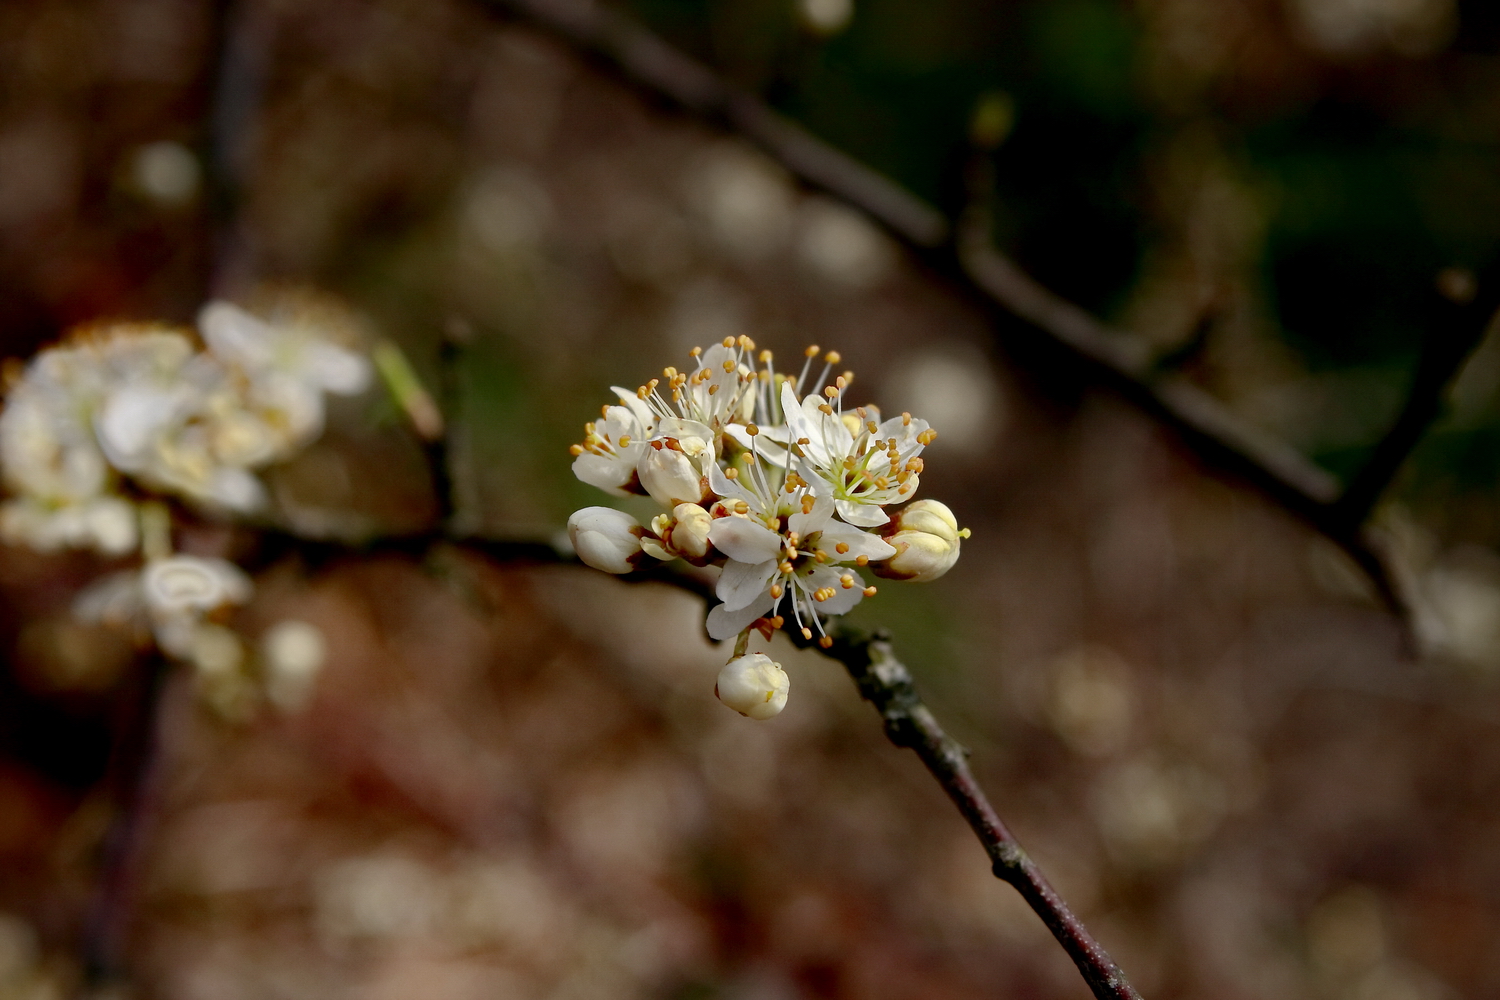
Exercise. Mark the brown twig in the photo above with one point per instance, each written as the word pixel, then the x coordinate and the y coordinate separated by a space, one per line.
pixel 964 254
pixel 885 683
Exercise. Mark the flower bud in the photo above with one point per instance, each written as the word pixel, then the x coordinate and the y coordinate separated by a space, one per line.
pixel 669 475
pixel 688 535
pixel 606 539
pixel 927 537
pixel 753 685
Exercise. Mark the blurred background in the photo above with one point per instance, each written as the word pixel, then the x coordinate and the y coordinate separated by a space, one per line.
pixel 513 782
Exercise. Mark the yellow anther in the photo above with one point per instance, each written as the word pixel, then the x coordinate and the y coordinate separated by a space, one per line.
pixel 906 420
pixel 785 567
pixel 765 357
pixel 713 389
pixel 826 642
pixel 778 621
pixel 588 428
pixel 869 591
pixel 847 580
pixel 732 473
pixel 776 591
pixel 842 548
pixel 820 556
pixel 830 392
pixel 729 366
pixel 695 352
pixel 803 441
pixel 575 450
pixel 833 357
pixel 861 560
pixel 728 341
pixel 741 507
pixel 752 430
pixel 806 632
pixel 624 440
pixel 841 381
pixel 872 425
pixel 825 409
pixel 811 352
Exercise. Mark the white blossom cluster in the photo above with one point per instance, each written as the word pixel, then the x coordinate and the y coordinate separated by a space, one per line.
pixel 774 479
pixel 97 430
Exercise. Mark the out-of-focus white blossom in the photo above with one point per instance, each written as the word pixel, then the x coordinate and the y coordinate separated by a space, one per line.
pixel 779 488
pixel 606 539
pixel 753 685
pixel 292 653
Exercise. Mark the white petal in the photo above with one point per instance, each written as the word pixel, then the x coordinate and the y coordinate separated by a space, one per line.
pixel 235 335
pixel 861 543
pixel 337 369
pixel 730 489
pixel 726 624
pixel 741 583
pixel 864 515
pixel 842 599
pixel 638 408
pixel 608 474
pixel 816 519
pixel 744 540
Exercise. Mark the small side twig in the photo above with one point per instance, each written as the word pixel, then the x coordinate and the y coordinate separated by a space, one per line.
pixel 1463 309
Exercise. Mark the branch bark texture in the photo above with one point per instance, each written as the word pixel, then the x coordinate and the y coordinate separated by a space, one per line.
pixel 886 684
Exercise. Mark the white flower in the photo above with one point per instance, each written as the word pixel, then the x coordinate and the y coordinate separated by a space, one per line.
pixel 867 463
pixel 809 565
pixel 926 539
pixel 612 446
pixel 753 685
pixel 606 539
pixel 107 524
pixel 298 352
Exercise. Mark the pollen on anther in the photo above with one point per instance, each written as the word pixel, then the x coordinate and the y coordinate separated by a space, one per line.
pixel 826 642
pixel 869 591
pixel 806 632
pixel 861 560
pixel 713 389
pixel 906 420
pixel 777 590
pixel 841 548
pixel 825 409
pixel 841 382
pixel 695 352
pixel 575 450
pixel 830 392
pixel 778 621
pixel 731 473
pixel 847 580
pixel 752 430
pixel 811 352
pixel 833 357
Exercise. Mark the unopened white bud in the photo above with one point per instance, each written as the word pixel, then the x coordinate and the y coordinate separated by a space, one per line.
pixel 293 653
pixel 753 685
pixel 927 540
pixel 689 531
pixel 669 475
pixel 606 539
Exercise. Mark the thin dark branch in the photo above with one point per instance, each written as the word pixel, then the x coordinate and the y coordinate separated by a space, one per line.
pixel 885 682
pixel 1462 313
pixel 965 255
pixel 130 784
